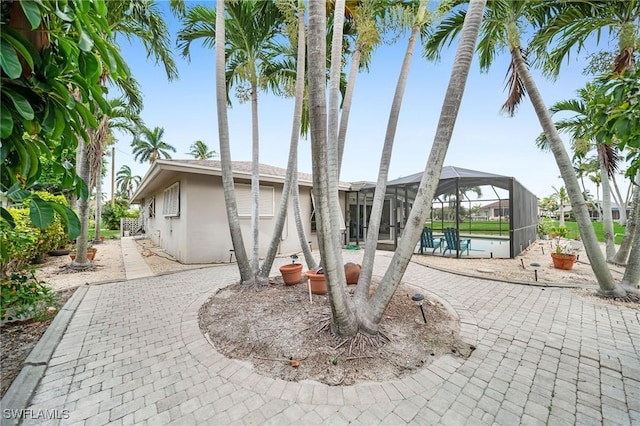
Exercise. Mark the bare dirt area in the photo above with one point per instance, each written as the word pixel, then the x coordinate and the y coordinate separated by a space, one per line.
pixel 107 266
pixel 19 338
pixel 286 336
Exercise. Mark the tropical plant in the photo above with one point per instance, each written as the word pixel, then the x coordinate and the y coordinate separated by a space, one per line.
pixel 251 30
pixel 126 181
pixel 50 49
pixel 504 23
pixel 200 151
pixel 149 146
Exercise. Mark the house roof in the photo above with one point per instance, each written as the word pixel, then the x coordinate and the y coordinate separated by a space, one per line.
pixel 501 203
pixel 164 172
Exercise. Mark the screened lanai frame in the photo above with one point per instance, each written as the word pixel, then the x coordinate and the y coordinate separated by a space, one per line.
pixel 400 194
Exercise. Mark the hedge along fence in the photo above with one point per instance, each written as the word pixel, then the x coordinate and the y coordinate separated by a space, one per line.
pixel 20 245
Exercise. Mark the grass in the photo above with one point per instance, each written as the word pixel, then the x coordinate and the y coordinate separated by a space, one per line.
pixel 618 230
pixel 106 233
pixel 493 227
pixel 487 227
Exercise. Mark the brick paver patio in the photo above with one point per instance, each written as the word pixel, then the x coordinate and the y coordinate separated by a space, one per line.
pixel 133 354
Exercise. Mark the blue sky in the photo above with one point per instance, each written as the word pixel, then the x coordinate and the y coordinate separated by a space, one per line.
pixel 484 139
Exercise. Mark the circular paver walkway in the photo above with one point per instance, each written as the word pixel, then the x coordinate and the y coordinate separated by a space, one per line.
pixel 133 354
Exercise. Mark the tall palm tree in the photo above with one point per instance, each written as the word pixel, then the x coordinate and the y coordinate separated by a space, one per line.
pixel 246 273
pixel 560 195
pixel 421 19
pixel 251 31
pixel 502 28
pixel 149 146
pixel 349 318
pixel 200 151
pixel 126 181
pixel 140 20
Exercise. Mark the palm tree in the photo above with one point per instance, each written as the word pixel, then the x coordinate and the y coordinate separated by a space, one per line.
pixel 349 318
pixel 502 28
pixel 200 151
pixel 139 19
pixel 246 273
pixel 421 19
pixel 149 146
pixel 126 181
pixel 581 127
pixel 577 22
pixel 562 199
pixel 251 31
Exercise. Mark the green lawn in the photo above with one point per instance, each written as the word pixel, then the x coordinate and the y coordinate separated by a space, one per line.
pixel 493 227
pixel 487 227
pixel 106 233
pixel 597 227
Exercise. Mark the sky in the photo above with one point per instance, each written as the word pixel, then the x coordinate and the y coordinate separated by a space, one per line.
pixel 484 139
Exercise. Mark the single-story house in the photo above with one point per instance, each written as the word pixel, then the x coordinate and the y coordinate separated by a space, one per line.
pixel 494 211
pixel 183 209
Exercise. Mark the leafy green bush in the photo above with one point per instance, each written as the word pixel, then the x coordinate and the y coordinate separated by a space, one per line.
pixel 111 215
pixel 25 242
pixel 24 296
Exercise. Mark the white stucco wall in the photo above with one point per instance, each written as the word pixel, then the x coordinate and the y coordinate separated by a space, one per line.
pixel 201 233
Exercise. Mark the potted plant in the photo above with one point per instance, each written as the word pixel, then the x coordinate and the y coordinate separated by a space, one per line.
pixel 317 281
pixel 562 258
pixel 91 254
pixel 292 272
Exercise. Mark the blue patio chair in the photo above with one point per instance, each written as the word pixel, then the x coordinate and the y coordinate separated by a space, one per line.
pixel 427 241
pixel 454 242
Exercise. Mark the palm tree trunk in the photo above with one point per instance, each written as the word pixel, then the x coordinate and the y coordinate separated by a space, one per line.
pixel 364 282
pixel 302 236
pixel 246 273
pixel 346 104
pixel 84 172
pixel 621 202
pixel 324 162
pixel 607 217
pixel 608 286
pixel 255 181
pixel 98 215
pixel 369 319
pixel 627 242
pixel 631 278
pixel 292 165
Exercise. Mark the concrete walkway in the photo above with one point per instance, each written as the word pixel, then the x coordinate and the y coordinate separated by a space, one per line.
pixel 134 264
pixel 133 354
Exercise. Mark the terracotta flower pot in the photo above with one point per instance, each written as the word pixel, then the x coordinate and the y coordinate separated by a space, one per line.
pixel 352 272
pixel 563 261
pixel 317 282
pixel 91 254
pixel 291 273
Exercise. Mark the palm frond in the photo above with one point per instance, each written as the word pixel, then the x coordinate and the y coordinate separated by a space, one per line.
pixel 517 90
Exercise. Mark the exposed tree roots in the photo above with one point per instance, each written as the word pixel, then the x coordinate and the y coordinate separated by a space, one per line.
pixel 359 346
pixel 77 267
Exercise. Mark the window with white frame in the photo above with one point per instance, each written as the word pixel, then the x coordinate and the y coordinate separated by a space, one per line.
pixel 245 203
pixel 171 200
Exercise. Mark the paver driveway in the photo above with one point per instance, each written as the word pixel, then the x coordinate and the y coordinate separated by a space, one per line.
pixel 133 354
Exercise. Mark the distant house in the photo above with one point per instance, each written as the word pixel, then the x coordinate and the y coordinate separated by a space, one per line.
pixel 494 211
pixel 183 209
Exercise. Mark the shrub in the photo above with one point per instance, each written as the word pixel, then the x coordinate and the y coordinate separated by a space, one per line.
pixel 111 215
pixel 24 296
pixel 25 242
